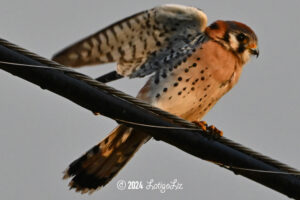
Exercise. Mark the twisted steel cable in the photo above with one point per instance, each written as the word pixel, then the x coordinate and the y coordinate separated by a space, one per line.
pixel 175 119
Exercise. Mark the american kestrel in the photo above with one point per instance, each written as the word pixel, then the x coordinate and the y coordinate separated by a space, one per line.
pixel 193 66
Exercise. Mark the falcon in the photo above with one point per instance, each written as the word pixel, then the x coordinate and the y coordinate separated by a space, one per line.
pixel 192 65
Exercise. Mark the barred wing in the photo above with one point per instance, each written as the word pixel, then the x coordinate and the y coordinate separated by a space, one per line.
pixel 131 42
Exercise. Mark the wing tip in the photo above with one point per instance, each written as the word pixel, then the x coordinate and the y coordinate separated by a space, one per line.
pixel 187 12
pixel 67 58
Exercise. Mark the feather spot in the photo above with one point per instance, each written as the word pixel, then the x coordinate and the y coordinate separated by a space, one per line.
pixel 73 56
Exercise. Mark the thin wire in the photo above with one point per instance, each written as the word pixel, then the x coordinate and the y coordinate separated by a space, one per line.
pixel 65 69
pixel 175 119
pixel 230 167
pixel 220 164
pixel 159 127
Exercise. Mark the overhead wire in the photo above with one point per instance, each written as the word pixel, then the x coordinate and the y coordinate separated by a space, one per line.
pixel 48 64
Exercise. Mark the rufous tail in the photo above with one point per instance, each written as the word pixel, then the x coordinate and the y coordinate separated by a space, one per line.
pixel 102 162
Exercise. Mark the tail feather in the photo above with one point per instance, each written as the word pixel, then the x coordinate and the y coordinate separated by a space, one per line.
pixel 101 163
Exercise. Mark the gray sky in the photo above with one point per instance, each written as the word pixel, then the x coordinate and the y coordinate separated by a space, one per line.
pixel 41 133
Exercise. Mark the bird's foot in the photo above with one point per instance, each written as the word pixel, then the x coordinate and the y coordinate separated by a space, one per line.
pixel 209 129
pixel 213 130
pixel 201 124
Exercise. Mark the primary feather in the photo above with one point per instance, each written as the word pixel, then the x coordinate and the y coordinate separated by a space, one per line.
pixel 134 41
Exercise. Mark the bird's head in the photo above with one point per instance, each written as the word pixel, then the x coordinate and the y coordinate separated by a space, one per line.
pixel 236 37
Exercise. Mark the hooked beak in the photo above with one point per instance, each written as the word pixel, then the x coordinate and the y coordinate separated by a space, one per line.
pixel 254 51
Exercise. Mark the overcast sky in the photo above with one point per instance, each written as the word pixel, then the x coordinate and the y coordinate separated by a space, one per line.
pixel 41 133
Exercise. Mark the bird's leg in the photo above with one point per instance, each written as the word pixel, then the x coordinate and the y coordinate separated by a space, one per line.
pixel 111 76
pixel 209 129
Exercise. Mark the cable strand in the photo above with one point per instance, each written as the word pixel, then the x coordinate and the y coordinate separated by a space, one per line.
pixel 175 119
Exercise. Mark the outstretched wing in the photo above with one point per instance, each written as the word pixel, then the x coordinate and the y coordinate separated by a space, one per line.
pixel 133 42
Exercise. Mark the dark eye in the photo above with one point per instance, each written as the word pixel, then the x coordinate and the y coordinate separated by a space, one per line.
pixel 241 37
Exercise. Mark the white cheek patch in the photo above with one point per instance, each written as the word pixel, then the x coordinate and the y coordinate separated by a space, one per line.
pixel 234 44
pixel 246 56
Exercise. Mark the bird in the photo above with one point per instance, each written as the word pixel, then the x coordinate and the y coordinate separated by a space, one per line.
pixel 192 66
